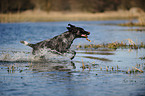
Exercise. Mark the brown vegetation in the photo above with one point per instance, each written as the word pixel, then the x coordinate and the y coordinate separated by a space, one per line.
pixel 134 70
pixel 42 16
pixel 128 43
pixel 92 6
pixel 70 10
pixel 141 18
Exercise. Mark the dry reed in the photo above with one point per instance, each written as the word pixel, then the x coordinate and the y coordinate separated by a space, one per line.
pixel 39 16
pixel 114 45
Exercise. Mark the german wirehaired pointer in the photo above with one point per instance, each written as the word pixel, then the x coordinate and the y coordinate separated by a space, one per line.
pixel 60 44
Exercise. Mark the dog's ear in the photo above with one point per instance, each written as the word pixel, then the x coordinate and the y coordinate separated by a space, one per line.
pixel 71 25
pixel 69 29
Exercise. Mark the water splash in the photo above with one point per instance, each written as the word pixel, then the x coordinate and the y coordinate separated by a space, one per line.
pixel 43 55
pixel 11 56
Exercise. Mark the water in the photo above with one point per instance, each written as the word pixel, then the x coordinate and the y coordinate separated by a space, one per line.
pixel 62 77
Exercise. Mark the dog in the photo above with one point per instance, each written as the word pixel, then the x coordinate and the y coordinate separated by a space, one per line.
pixel 60 44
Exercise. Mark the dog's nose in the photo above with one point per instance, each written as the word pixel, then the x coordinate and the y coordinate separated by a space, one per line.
pixel 88 33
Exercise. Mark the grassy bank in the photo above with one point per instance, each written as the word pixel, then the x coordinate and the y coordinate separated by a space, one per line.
pixel 128 43
pixel 141 22
pixel 40 16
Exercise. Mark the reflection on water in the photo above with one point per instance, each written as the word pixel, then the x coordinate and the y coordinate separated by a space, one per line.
pixel 95 72
pixel 91 57
pixel 70 77
pixel 46 67
pixel 93 52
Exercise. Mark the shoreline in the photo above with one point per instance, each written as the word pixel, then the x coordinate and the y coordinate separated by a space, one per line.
pixel 39 16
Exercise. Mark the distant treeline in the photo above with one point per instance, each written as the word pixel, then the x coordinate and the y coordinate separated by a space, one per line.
pixel 69 5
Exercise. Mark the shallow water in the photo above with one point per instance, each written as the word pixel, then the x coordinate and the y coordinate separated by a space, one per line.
pixel 63 77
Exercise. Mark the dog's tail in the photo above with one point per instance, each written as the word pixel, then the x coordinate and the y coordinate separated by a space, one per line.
pixel 26 43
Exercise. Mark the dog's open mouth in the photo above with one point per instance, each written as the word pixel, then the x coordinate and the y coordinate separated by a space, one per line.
pixel 86 36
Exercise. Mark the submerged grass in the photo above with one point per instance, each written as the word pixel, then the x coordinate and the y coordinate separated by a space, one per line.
pixel 15 68
pixel 139 68
pixel 142 58
pixel 134 70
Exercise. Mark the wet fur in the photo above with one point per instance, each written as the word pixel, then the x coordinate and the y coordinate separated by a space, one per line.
pixel 60 43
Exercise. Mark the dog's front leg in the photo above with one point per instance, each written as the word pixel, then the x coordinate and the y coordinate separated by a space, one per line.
pixel 72 52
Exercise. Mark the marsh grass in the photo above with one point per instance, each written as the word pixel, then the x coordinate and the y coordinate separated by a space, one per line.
pixel 134 70
pixel 130 24
pixel 11 68
pixel 40 16
pixel 127 43
pixel 142 58
pixel 15 68
pixel 141 22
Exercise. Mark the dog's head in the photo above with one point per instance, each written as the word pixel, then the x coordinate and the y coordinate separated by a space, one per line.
pixel 78 31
